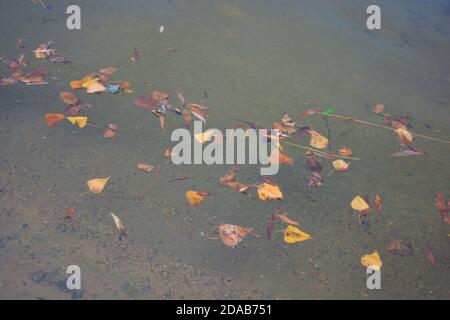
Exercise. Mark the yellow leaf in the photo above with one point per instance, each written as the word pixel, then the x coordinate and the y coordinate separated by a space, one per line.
pixel 119 225
pixel 79 121
pixel 97 185
pixel 293 235
pixel 206 136
pixel 340 165
pixel 195 198
pixel 267 191
pixel 372 260
pixel 360 204
pixel 317 140
pixel 88 81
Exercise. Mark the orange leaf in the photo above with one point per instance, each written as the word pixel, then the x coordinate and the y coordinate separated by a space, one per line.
pixel 238 186
pixel 379 108
pixel 229 176
pixel 145 167
pixel 269 191
pixel 404 135
pixel 317 140
pixel 95 87
pixel 97 185
pixel 378 202
pixel 53 119
pixel 159 96
pixel 68 98
pixel 346 152
pixel 168 153
pixel 340 165
pixel 70 212
pixel 109 133
pixel 195 198
pixel 284 218
pixel 108 70
pixel 76 84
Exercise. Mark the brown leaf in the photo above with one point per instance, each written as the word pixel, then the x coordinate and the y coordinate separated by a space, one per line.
pixel 231 235
pixel 53 119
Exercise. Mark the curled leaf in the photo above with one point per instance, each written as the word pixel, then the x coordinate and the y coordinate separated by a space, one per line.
pixel 145 167
pixel 372 260
pixel 97 185
pixel 231 235
pixel 119 226
pixel 294 235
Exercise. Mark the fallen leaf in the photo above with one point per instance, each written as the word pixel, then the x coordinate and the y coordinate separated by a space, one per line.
pixel 69 98
pixel 168 153
pixel 97 185
pixel 407 153
pixel 340 165
pixel 229 176
pixel 314 180
pixel 241 187
pixel 53 119
pixel 308 113
pixel 379 108
pixel 294 235
pixel 231 235
pixel 195 197
pixel 70 212
pixel 430 256
pixel 346 152
pixel 119 225
pixel 378 202
pixel 279 157
pixel 284 218
pixel 442 206
pixel 95 87
pixel 145 167
pixel 42 51
pixel 79 121
pixel 159 96
pixel 360 204
pixel 404 135
pixel 108 70
pixel 317 140
pixel 108 133
pixel 269 191
pixel 372 260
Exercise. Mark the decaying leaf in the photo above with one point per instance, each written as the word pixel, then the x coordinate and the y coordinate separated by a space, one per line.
pixel 195 197
pixel 379 108
pixel 317 140
pixel 401 247
pixel 294 235
pixel 231 235
pixel 269 191
pixel 97 185
pixel 53 119
pixel 108 70
pixel 284 218
pixel 346 152
pixel 360 204
pixel 443 207
pixel 119 225
pixel 69 98
pixel 229 176
pixel 238 186
pixel 168 153
pixel 340 165
pixel 159 96
pixel 96 87
pixel 279 157
pixel 108 133
pixel 145 167
pixel 378 202
pixel 372 260
pixel 79 121
pixel 404 135
pixel 70 213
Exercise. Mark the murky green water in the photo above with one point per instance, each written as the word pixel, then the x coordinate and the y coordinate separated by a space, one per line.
pixel 255 60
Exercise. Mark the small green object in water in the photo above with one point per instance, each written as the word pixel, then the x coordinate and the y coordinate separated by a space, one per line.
pixel 328 112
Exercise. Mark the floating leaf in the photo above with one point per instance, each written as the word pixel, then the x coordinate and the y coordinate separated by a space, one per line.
pixel 317 140
pixel 70 212
pixel 168 153
pixel 79 121
pixel 379 108
pixel 340 165
pixel 378 202
pixel 229 176
pixel 108 133
pixel 346 152
pixel 69 98
pixel 95 87
pixel 108 70
pixel 119 225
pixel 145 167
pixel 360 204
pixel 284 218
pixel 231 235
pixel 195 197
pixel 269 191
pixel 442 206
pixel 159 96
pixel 372 260
pixel 294 235
pixel 241 187
pixel 53 119
pixel 407 153
pixel 309 113
pixel 97 185
pixel 404 135
pixel 279 157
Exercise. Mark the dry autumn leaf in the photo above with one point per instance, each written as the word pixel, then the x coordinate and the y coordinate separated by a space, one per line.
pixel 284 218
pixel 360 204
pixel 231 235
pixel 229 176
pixel 372 260
pixel 108 133
pixel 168 153
pixel 317 140
pixel 404 135
pixel 340 165
pixel 96 87
pixel 79 121
pixel 269 191
pixel 241 187
pixel 294 235
pixel 379 108
pixel 195 197
pixel 97 185
pixel 108 70
pixel 70 212
pixel 53 119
